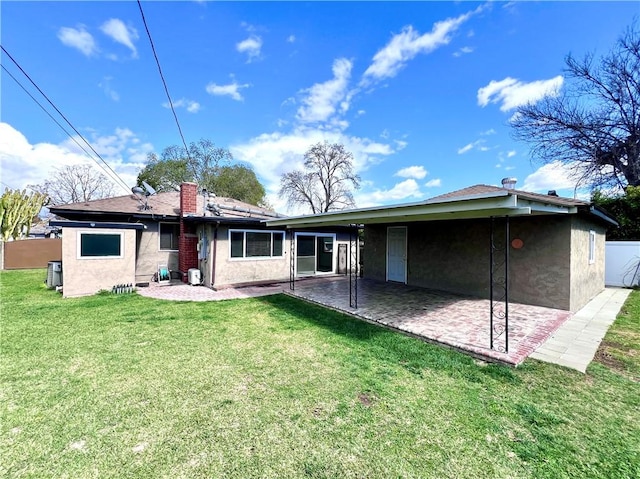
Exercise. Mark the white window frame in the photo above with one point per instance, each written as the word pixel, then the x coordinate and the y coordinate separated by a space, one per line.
pixel 244 256
pixel 592 246
pixel 160 248
pixel 94 232
pixel 316 234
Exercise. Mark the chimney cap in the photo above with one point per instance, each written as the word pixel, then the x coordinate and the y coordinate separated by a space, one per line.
pixel 509 182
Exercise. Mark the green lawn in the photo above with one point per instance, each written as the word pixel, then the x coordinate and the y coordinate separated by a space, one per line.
pixel 125 386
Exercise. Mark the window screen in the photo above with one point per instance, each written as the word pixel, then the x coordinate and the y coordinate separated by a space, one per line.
pixel 278 240
pixel 95 245
pixel 169 235
pixel 258 244
pixel 237 244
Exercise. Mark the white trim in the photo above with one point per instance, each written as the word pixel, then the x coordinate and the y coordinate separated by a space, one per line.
pixel 244 256
pixel 592 246
pixel 406 240
pixel 79 234
pixel 160 223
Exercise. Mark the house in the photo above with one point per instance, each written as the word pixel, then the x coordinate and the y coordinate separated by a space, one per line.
pixel 486 241
pixel 131 239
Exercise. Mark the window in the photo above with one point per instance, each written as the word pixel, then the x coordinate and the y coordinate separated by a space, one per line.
pixel 592 247
pixel 256 244
pixel 169 234
pixel 100 245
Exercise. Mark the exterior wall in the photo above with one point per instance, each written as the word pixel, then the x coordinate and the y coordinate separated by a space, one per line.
pixel 149 255
pixel 228 272
pixel 587 279
pixel 453 256
pixel 86 276
pixel 30 253
pixel 374 255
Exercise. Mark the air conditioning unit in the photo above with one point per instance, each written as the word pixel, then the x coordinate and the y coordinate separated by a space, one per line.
pixel 194 276
pixel 54 274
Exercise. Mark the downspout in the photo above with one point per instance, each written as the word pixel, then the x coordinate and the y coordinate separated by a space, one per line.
pixel 213 255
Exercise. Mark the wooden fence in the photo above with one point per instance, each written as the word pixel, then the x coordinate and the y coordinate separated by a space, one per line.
pixel 30 253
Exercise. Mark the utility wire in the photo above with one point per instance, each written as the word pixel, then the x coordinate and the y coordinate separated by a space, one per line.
pixel 61 127
pixel 64 117
pixel 166 89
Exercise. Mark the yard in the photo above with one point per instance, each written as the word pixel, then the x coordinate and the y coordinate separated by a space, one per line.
pixel 126 386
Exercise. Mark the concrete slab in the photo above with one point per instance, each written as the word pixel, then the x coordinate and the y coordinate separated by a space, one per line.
pixel 583 332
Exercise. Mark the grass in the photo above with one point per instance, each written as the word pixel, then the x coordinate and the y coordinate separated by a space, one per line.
pixel 126 386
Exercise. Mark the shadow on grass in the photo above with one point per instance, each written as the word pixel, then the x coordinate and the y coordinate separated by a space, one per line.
pixel 394 347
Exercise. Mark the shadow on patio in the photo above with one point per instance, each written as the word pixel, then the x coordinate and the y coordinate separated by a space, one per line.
pixel 460 322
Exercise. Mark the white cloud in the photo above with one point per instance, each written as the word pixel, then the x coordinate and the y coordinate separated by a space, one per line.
pixel 477 145
pixel 490 131
pixel 324 99
pixel 291 39
pixel 436 182
pixel 78 38
pixel 512 93
pixel 401 191
pixel 105 84
pixel 251 46
pixel 272 154
pixel 190 105
pixel 462 51
pixel 406 45
pixel 24 164
pixel 552 176
pixel 417 172
pixel 511 154
pixel 232 90
pixel 121 33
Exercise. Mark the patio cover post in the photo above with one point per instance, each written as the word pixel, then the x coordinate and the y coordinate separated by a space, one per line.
pixel 353 267
pixel 499 283
pixel 292 261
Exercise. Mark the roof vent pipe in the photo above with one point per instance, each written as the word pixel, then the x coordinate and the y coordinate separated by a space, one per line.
pixel 509 183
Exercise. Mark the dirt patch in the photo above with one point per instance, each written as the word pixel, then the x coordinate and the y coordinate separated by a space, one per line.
pixel 604 356
pixel 365 399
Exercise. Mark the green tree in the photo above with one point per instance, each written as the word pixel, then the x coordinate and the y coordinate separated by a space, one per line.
pixel 625 208
pixel 239 182
pixel 594 125
pixel 205 164
pixel 326 182
pixel 17 211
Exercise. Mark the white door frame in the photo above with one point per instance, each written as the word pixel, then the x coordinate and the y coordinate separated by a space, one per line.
pixel 334 260
pixel 404 280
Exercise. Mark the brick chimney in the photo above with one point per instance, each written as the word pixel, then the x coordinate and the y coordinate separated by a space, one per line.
pixel 188 241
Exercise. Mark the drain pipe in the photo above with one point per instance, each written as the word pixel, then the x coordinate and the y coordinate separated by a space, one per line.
pixel 214 251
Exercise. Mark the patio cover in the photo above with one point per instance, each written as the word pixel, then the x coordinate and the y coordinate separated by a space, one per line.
pixel 480 201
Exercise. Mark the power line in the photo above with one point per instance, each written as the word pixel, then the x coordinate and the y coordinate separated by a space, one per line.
pixel 64 117
pixel 61 127
pixel 166 89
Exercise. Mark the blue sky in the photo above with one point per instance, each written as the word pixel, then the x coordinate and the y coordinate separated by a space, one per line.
pixel 420 92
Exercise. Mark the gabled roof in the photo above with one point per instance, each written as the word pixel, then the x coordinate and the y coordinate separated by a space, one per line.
pixel 478 201
pixel 161 205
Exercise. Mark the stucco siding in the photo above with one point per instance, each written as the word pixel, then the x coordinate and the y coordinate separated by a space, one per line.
pixel 374 261
pixel 86 276
pixel 149 253
pixel 239 271
pixel 587 279
pixel 453 256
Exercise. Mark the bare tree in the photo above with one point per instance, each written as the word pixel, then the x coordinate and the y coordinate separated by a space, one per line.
pixel 75 183
pixel 594 126
pixel 326 182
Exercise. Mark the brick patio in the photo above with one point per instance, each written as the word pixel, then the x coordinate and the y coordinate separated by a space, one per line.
pixel 461 322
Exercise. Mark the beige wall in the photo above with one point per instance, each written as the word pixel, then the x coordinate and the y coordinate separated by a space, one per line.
pixel 149 254
pixel 454 256
pixel 587 279
pixel 86 276
pixel 240 271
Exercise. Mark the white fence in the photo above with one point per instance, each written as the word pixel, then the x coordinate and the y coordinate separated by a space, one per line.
pixel 622 263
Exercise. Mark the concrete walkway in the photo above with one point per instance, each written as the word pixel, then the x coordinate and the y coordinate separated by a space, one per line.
pixel 575 343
